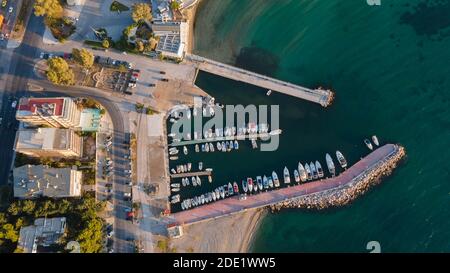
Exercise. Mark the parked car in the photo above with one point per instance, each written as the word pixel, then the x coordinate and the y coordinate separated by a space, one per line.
pixel 10 10
pixel 14 104
pixel 127 196
pixel 152 85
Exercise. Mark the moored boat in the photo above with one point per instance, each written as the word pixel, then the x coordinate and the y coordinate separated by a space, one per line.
pixel 313 170
pixel 213 195
pixel 368 144
pixel 185 150
pixel 230 188
pixel 209 178
pixel 276 181
pixel 200 165
pixel 175 189
pixel 236 145
pixel 207 147
pixel 265 182
pixel 270 182
pixel 302 172
pixel 222 192
pixel 189 166
pixel 287 177
pixel 211 147
pixel 319 169
pixel 217 192
pixel 296 176
pixel 194 181
pixel 197 148
pixel 199 181
pixel 235 188
pixel 341 159
pixel 375 140
pixel 244 186
pixel 250 184
pixel 330 165
pixel 259 182
pixel 219 146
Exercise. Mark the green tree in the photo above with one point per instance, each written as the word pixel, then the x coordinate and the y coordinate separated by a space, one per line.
pixel 140 46
pixel 14 209
pixel 8 232
pixel 174 5
pixel 49 8
pixel 105 43
pixel 83 57
pixel 141 12
pixel 91 236
pixel 3 219
pixel 28 206
pixel 59 72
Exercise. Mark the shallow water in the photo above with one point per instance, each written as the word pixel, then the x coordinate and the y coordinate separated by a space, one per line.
pixel 389 67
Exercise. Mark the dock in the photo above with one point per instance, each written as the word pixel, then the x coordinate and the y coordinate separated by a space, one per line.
pixel 181 175
pixel 224 138
pixel 233 205
pixel 318 95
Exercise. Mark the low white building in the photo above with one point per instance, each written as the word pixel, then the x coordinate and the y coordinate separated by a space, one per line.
pixel 44 233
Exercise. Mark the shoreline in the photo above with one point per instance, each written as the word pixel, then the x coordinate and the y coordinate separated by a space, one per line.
pixel 190 14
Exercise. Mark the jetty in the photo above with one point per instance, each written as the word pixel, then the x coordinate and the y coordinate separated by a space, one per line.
pixel 318 95
pixel 263 136
pixel 347 185
pixel 181 175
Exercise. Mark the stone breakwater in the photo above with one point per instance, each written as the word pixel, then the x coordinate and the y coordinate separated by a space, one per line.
pixel 348 192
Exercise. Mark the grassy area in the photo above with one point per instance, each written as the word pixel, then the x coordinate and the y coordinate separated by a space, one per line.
pixel 118 7
pixel 93 43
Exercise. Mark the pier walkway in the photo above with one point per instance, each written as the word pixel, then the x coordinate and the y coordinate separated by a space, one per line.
pixel 180 175
pixel 233 205
pixel 263 136
pixel 320 96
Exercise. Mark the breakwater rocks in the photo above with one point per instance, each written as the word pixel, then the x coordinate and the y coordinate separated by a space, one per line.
pixel 345 193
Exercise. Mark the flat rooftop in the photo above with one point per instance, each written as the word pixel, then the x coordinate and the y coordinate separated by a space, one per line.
pixel 43 138
pixel 45 106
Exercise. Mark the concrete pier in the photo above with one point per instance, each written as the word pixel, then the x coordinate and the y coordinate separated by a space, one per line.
pixel 180 175
pixel 375 164
pixel 263 136
pixel 320 96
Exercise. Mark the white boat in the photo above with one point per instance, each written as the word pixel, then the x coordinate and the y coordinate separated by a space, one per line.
pixel 175 189
pixel 183 182
pixel 250 184
pixel 204 111
pixel 209 169
pixel 287 178
pixel 222 192
pixel 217 193
pixel 245 186
pixel 194 111
pixel 187 181
pixel 171 135
pixel 276 132
pixel 224 146
pixel 269 92
pixel 173 158
pixel 173 171
pixel 313 170
pixel 173 152
pixel 236 145
pixel 199 181
pixel 213 195
pixel 210 197
pixel 211 147
pixel 209 178
pixel 319 169
pixel 375 140
pixel 270 182
pixel 296 176
pixel 185 150
pixel 254 144
pixel 230 189
pixel 188 113
pixel 219 146
pixel 175 199
pixel 183 206
pixel 302 172
pixel 259 182
pixel 200 165
pixel 195 135
pixel 207 147
pixel 197 148
pixel 194 181
pixel 368 144
pixel 265 182
pixel 330 164
pixel 189 166
pixel 202 199
pixel 276 181
pixel 308 171
pixel 175 185
pixel 341 159
pixel 188 136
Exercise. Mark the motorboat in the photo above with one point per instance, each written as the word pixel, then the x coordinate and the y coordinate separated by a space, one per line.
pixel 287 178
pixel 224 146
pixel 230 189
pixel 319 169
pixel 235 188
pixel 222 192
pixel 368 144
pixel 210 199
pixel 211 147
pixel 202 199
pixel 173 152
pixel 213 195
pixel 194 181
pixel 173 158
pixel 199 181
pixel 265 182
pixel 230 146
pixel 209 169
pixel 330 164
pixel 203 148
pixel 254 144
pixel 194 111
pixel 207 147
pixel 302 172
pixel 219 146
pixel 341 159
pixel 259 182
pixel 375 140
pixel 236 145
pixel 200 165
pixel 197 148
pixel 270 182
pixel 188 113
pixel 183 206
pixel 209 178
pixel 276 181
pixel 173 171
pixel 275 132
pixel 195 135
pixel 189 167
pixel 217 193
pixel 296 176
pixel 175 189
pixel 250 184
pixel 175 185
pixel 175 199
pixel 313 170
pixel 183 182
pixel 244 186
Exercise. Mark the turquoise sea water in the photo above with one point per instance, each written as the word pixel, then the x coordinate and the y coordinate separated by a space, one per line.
pixel 390 68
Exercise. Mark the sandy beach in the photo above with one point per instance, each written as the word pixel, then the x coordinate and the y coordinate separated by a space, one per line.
pixel 228 234
pixel 190 16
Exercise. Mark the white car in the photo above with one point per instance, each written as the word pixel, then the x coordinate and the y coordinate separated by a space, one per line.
pixel 10 9
pixel 14 104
